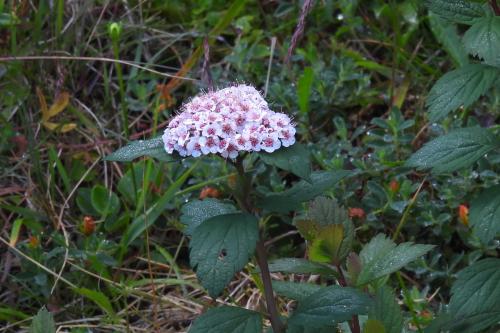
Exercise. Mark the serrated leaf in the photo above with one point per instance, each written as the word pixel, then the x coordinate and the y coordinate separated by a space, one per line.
pixel 381 257
pixel 447 35
pixel 476 289
pixel 483 39
pixel 295 159
pixel 484 214
pixel 222 246
pixel 298 291
pixel 330 305
pixel 459 11
pixel 458 149
pixel 228 319
pixel 301 266
pixel 386 310
pixel 460 87
pixel 471 323
pixel 43 322
pixel 98 298
pixel 152 148
pixel 326 246
pixel 325 211
pixel 197 211
pixel 303 191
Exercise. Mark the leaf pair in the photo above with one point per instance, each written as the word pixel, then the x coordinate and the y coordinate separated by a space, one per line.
pixel 60 103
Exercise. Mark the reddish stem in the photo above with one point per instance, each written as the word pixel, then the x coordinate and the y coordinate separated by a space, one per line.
pixel 354 322
pixel 496 8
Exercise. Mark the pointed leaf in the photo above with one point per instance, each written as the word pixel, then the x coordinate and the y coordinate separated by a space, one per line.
pixel 222 246
pixel 301 266
pixel 485 214
pixel 304 87
pixel 483 39
pixel 43 322
pixel 303 191
pixel 447 35
pixel 460 11
pixel 386 311
pixel 295 159
pixel 98 298
pixel 460 87
pixel 152 148
pixel 60 103
pixel 458 149
pixel 381 257
pixel 329 305
pixel 295 290
pixel 228 319
pixel 197 211
pixel 476 289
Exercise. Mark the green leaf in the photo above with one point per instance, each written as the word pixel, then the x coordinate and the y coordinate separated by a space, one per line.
pixel 304 87
pixel 295 159
pixel 98 298
pixel 222 246
pixel 381 257
pixel 228 319
pixel 374 326
pixel 483 39
pixel 291 199
pixel 458 149
pixel 144 221
pixel 301 266
pixel 329 305
pixel 152 148
pixel 447 35
pixel 476 289
pixel 104 201
pixel 14 233
pixel 326 246
pixel 460 87
pixel 295 290
pixel 197 211
pixel 43 322
pixel 325 211
pixel 485 214
pixel 471 323
pixel 386 310
pixel 460 11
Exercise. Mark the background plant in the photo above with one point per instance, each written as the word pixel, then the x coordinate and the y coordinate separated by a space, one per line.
pixel 356 85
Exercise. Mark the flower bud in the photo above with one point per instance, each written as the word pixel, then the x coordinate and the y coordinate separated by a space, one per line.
pixel 463 214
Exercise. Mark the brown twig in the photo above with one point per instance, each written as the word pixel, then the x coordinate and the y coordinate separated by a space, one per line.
pixel 496 8
pixel 206 75
pixel 299 30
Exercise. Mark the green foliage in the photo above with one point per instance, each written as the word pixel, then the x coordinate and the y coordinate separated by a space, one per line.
pixel 295 290
pixel 460 87
pixel 460 11
pixel 329 305
pixel 197 211
pixel 228 319
pixel 483 40
pixel 304 86
pixel 386 311
pixel 458 149
pixel 485 214
pixel 43 322
pixel 381 256
pixel 446 33
pixel 303 191
pixel 301 266
pixel 222 246
pixel 152 148
pixel 99 298
pixel 295 159
pixel 104 202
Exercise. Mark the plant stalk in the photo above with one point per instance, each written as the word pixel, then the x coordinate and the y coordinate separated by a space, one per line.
pixel 243 198
pixel 354 322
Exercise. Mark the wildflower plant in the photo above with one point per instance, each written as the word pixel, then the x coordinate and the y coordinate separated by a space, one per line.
pixel 236 124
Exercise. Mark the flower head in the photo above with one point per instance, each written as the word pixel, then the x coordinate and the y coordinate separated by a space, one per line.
pixel 226 122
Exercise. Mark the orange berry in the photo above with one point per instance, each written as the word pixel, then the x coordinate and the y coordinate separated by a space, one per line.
pixel 357 212
pixel 88 226
pixel 209 192
pixel 394 186
pixel 463 214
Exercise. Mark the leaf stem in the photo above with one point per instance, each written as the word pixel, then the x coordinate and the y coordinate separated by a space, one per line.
pixel 496 8
pixel 354 322
pixel 243 198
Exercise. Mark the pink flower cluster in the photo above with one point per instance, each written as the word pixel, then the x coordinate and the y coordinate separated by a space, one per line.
pixel 226 122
